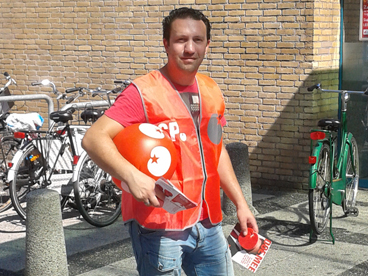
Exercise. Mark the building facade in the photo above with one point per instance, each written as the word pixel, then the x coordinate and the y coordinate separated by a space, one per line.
pixel 263 54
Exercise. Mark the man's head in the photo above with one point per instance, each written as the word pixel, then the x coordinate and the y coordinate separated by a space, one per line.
pixel 186 41
pixel 183 13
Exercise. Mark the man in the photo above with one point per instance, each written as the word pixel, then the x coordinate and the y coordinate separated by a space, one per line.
pixel 176 95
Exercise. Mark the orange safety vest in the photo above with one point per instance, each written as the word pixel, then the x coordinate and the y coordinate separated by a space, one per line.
pixel 198 155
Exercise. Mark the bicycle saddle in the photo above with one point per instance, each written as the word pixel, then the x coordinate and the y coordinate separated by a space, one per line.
pixel 91 114
pixel 61 116
pixel 329 124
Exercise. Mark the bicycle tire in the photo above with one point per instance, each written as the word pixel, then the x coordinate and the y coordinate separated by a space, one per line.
pixel 352 178
pixel 28 173
pixel 319 205
pixel 9 146
pixel 96 196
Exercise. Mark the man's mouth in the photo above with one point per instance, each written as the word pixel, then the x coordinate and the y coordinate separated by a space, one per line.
pixel 188 59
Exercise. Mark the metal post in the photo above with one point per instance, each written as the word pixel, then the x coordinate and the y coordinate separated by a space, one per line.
pixel 32 97
pixel 83 105
pixel 45 242
pixel 238 153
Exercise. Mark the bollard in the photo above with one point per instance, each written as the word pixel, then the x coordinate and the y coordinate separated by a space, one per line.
pixel 45 242
pixel 238 153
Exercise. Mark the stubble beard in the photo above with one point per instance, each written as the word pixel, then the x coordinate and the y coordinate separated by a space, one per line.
pixel 190 67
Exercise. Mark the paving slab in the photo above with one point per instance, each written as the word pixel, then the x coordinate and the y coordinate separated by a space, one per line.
pixel 282 217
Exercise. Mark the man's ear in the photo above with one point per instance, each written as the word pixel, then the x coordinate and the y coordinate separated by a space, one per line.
pixel 166 43
pixel 208 45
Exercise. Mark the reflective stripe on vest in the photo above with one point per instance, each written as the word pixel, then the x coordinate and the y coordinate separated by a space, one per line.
pixel 196 174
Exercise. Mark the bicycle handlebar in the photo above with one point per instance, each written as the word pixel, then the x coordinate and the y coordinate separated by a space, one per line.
pixel 46 82
pixel 319 87
pixel 366 91
pixel 316 86
pixel 125 82
pixel 70 90
pixel 75 89
pixel 9 79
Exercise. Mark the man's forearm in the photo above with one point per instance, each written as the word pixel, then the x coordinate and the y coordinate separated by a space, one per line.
pixel 100 147
pixel 231 187
pixel 229 182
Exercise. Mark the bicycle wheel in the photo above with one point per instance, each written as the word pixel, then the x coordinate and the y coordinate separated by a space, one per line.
pixel 9 146
pixel 28 176
pixel 319 205
pixel 97 198
pixel 352 178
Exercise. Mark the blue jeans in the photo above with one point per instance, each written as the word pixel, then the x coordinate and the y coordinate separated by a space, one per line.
pixel 201 250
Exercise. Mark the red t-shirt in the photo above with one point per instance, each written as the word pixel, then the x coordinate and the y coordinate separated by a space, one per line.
pixel 128 109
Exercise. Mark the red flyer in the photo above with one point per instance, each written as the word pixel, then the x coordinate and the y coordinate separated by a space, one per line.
pixel 175 200
pixel 249 259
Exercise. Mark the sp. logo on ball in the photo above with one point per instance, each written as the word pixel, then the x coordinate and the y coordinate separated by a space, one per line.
pixel 149 149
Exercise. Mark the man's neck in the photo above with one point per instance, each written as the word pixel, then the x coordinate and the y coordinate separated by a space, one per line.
pixel 181 79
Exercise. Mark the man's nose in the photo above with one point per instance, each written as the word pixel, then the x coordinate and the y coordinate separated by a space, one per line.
pixel 189 46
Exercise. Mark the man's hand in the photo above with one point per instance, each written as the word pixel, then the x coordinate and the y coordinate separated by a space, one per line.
pixel 246 219
pixel 142 188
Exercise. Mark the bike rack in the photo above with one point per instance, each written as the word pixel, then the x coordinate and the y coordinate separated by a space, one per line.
pixel 83 105
pixel 31 97
pixel 50 102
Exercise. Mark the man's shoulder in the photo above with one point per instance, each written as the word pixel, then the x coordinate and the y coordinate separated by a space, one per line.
pixel 152 78
pixel 203 76
pixel 208 81
pixel 155 74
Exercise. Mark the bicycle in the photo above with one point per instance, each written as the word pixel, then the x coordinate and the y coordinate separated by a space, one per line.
pixel 334 168
pixel 8 145
pixel 46 158
pixel 98 199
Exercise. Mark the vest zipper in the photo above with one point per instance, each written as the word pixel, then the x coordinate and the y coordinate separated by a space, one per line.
pixel 201 148
pixel 198 132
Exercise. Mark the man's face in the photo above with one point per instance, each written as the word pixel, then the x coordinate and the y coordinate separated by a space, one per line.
pixel 187 46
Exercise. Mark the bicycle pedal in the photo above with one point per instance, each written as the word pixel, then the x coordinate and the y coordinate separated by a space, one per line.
pixel 353 212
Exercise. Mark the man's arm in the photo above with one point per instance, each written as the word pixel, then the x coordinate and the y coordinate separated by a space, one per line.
pixel 100 147
pixel 231 187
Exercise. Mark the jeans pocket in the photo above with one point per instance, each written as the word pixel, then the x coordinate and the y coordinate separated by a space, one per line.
pixel 161 263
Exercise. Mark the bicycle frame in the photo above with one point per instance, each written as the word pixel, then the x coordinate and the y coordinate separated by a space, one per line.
pixel 60 149
pixel 338 179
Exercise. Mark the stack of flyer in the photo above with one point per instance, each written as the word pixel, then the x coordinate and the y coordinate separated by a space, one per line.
pixel 175 200
pixel 252 259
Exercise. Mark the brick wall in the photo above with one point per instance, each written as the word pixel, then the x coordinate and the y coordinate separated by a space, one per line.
pixel 263 54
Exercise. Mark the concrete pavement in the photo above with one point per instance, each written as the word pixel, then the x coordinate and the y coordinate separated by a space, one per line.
pixel 283 218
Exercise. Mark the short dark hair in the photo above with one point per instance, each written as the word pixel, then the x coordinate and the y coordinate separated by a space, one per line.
pixel 183 13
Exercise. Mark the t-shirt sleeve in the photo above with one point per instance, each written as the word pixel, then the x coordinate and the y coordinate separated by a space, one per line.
pixel 127 108
pixel 223 121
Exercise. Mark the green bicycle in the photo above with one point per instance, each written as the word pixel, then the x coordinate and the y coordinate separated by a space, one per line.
pixel 334 168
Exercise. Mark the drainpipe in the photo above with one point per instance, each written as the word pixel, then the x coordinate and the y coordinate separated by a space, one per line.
pixel 341 41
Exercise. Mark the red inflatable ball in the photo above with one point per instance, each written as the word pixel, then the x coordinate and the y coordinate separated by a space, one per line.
pixel 149 149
